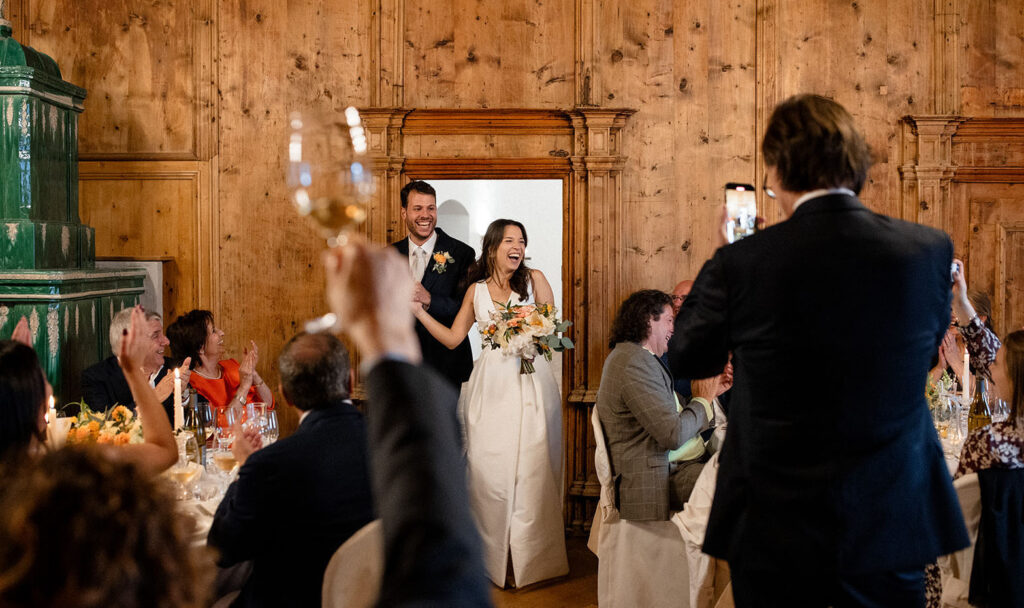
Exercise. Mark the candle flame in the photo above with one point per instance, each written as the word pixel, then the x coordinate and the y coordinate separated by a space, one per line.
pixel 177 373
pixel 52 402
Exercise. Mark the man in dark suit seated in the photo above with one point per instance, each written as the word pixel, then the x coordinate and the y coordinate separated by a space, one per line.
pixel 297 500
pixel 104 384
pixel 832 488
pixel 439 264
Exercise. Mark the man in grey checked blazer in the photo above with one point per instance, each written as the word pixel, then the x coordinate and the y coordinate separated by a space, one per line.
pixel 640 416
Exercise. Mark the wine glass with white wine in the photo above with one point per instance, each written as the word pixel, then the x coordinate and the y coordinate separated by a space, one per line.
pixel 330 180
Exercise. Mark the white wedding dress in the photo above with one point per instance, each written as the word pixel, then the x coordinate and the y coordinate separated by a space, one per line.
pixel 513 428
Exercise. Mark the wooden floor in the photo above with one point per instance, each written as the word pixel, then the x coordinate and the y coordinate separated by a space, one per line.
pixel 577 590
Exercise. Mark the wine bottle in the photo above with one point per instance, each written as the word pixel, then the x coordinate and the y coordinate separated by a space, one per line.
pixel 980 415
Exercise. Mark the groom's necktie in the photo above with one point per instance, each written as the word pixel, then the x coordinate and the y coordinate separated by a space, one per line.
pixel 419 263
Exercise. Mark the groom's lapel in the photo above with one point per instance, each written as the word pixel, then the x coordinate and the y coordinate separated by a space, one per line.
pixel 429 275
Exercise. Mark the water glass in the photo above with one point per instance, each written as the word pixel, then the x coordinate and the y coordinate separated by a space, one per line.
pixel 270 431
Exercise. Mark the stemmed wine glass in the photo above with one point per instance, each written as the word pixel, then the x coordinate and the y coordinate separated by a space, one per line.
pixel 329 178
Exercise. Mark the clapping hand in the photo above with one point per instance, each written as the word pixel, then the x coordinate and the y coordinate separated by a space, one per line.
pixel 247 441
pixel 248 366
pixel 951 352
pixel 166 385
pixel 706 388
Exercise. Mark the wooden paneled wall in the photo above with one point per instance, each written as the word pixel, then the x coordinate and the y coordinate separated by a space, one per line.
pixel 182 138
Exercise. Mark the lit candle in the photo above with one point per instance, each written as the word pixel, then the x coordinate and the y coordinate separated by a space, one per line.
pixel 51 415
pixel 967 375
pixel 179 413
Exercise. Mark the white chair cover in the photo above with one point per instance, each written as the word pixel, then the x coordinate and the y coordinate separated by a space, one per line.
pixel 352 578
pixel 706 582
pixel 956 567
pixel 641 563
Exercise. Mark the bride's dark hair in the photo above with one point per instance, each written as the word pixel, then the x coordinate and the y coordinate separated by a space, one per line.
pixel 484 266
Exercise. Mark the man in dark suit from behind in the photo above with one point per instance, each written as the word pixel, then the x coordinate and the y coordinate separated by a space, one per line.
pixel 297 500
pixel 104 384
pixel 832 488
pixel 439 264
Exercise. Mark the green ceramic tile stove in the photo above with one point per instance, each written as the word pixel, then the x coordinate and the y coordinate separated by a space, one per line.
pixel 47 256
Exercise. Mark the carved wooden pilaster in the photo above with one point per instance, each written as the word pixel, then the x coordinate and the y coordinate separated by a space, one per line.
pixel 597 164
pixel 928 169
pixel 384 133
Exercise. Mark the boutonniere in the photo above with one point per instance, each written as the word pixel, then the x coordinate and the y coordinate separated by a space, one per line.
pixel 441 260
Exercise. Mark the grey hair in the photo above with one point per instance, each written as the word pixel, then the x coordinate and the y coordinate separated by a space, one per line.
pixel 121 322
pixel 314 371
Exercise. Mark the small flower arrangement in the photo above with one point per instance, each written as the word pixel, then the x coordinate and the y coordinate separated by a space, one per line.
pixel 933 389
pixel 441 261
pixel 117 426
pixel 525 331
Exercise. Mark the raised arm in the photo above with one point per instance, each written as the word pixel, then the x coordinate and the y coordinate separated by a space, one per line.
pixel 158 450
pixel 450 337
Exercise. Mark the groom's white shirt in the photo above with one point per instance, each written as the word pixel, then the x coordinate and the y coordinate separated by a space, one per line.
pixel 427 246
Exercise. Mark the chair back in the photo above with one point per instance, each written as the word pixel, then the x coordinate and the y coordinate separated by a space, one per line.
pixel 955 568
pixel 997 576
pixel 352 578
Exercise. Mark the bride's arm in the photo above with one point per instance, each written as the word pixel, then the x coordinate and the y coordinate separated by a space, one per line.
pixel 460 327
pixel 542 293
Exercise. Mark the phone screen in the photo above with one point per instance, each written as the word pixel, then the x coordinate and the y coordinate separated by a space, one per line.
pixel 741 207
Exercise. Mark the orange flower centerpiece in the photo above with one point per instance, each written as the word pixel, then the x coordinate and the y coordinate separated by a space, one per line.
pixel 116 426
pixel 525 331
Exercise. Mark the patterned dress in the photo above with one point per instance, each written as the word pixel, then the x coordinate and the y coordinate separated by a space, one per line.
pixel 982 344
pixel 999 445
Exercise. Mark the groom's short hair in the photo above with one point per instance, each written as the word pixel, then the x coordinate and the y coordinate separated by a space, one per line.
pixel 416 186
pixel 314 371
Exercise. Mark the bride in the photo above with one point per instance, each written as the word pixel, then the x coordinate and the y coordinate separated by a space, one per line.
pixel 513 422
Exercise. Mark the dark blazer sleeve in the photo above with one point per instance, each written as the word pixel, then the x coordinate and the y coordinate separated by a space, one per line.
pixel 431 547
pixel 699 347
pixel 446 305
pixel 235 531
pixel 95 381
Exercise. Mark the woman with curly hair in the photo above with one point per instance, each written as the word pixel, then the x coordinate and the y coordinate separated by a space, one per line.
pixel 78 529
pixel 512 422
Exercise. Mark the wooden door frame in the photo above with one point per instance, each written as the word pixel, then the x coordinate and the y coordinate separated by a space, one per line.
pixel 942 155
pixel 581 147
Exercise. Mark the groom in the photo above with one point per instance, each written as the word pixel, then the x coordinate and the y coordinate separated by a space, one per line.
pixel 439 263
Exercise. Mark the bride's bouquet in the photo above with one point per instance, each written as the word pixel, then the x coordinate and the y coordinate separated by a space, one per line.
pixel 525 331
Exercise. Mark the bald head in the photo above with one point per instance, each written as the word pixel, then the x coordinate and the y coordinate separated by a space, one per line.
pixel 679 293
pixel 314 371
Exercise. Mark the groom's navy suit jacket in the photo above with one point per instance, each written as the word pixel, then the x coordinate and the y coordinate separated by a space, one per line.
pixel 445 301
pixel 831 460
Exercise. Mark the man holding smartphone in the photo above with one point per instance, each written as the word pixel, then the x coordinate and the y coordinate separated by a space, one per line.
pixel 831 470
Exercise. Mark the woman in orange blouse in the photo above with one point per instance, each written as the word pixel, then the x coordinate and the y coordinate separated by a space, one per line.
pixel 221 381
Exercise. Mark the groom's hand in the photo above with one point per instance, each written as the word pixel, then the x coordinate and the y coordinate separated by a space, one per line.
pixel 421 295
pixel 370 288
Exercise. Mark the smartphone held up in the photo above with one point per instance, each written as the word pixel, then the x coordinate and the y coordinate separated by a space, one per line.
pixel 741 209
